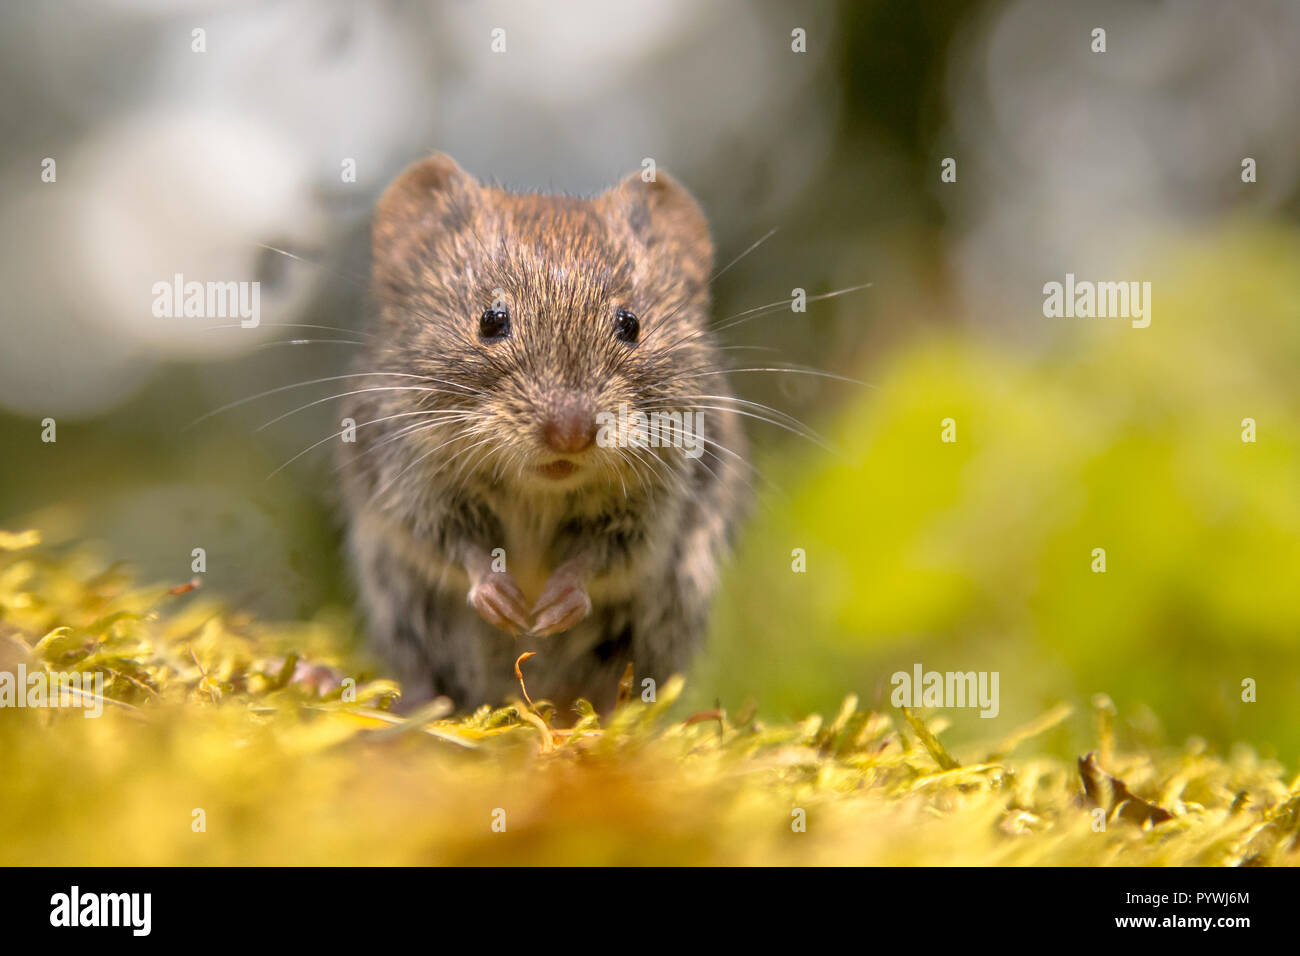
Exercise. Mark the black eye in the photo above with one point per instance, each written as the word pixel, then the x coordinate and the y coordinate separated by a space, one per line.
pixel 627 327
pixel 494 324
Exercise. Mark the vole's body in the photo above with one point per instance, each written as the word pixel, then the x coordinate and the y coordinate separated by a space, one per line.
pixel 466 525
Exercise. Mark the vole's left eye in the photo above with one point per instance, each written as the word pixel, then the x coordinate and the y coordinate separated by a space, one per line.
pixel 627 327
pixel 494 324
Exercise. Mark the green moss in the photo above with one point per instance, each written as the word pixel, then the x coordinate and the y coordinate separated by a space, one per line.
pixel 978 553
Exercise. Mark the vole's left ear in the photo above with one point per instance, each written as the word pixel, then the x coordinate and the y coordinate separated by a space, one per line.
pixel 663 216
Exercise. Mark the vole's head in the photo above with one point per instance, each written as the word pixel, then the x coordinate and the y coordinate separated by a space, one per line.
pixel 538 319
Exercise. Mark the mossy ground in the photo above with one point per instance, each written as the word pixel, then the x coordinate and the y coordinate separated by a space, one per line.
pixel 200 716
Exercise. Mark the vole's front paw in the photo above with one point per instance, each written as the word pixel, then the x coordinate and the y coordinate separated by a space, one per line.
pixel 319 678
pixel 563 603
pixel 499 601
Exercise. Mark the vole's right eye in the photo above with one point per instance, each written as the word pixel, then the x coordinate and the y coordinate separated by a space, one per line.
pixel 494 324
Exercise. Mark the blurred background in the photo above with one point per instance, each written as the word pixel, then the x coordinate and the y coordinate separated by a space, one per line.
pixel 1072 434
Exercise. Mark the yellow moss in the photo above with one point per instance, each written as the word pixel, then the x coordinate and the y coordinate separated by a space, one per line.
pixel 199 716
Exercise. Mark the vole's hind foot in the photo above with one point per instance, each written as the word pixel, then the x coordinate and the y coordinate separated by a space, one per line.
pixel 563 604
pixel 499 601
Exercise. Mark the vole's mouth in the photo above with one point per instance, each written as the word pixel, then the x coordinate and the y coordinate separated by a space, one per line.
pixel 560 468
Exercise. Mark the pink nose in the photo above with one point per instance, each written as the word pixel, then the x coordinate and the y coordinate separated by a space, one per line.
pixel 571 428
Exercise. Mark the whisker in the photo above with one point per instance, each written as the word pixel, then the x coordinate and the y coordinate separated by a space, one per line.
pixel 748 315
pixel 777 489
pixel 792 370
pixel 631 463
pixel 290 325
pixel 766 236
pixel 339 433
pixel 455 479
pixel 444 417
pixel 412 430
pixel 778 304
pixel 759 405
pixel 662 469
pixel 401 433
pixel 771 421
pixel 421 458
pixel 359 281
pixel 285 388
pixel 609 466
pixel 271 345
pixel 745 317
pixel 664 322
pixel 358 391
pixel 803 429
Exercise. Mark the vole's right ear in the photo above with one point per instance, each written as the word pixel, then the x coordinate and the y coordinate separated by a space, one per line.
pixel 431 195
pixel 667 220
